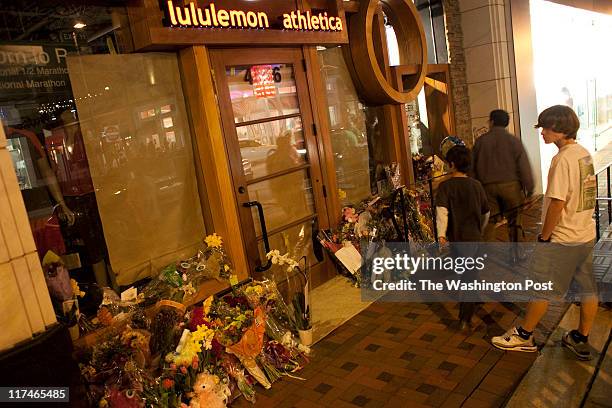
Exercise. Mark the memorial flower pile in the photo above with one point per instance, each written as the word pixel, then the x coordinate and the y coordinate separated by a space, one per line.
pixel 403 215
pixel 203 357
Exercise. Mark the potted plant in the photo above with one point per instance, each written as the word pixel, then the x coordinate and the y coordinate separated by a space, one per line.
pixel 302 318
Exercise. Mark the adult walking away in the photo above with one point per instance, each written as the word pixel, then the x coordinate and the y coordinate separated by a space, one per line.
pixel 502 167
pixel 569 228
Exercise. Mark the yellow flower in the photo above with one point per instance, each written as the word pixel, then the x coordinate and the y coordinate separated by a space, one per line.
pixel 341 194
pixel 197 340
pixel 76 291
pixel 213 241
pixel 207 304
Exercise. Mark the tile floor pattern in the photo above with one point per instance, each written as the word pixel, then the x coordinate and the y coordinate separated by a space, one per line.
pixel 413 355
pixel 407 354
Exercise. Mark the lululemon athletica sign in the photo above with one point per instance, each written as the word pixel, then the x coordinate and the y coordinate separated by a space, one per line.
pixel 193 15
pixel 170 24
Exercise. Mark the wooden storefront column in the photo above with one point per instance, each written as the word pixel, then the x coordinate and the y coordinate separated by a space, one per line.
pixel 214 178
pixel 439 101
pixel 392 124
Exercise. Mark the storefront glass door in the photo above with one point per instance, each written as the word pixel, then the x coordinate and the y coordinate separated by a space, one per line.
pixel 268 125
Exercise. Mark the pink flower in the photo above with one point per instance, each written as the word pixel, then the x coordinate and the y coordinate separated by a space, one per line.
pixel 349 214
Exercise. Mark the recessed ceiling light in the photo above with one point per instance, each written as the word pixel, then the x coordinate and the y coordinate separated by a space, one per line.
pixel 79 25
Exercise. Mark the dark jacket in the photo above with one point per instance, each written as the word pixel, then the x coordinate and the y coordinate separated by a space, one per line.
pixel 500 157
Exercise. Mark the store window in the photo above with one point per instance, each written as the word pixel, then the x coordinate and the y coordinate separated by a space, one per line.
pixel 582 82
pixel 100 142
pixel 356 132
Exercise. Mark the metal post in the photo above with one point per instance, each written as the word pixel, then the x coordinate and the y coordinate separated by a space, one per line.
pixel 609 196
pixel 433 209
pixel 597 208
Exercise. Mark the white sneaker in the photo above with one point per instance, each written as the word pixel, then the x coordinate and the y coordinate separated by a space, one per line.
pixel 511 340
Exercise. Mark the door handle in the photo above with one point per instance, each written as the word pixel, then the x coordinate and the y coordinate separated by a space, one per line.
pixel 264 233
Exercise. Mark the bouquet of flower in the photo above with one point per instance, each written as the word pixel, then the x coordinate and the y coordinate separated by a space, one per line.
pixel 423 166
pixel 180 280
pixel 300 304
pixel 418 229
pixel 282 358
pixel 230 321
pixel 279 318
pixel 231 365
pixel 165 330
pixel 113 374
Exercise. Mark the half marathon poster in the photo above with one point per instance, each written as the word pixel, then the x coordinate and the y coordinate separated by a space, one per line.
pixel 32 75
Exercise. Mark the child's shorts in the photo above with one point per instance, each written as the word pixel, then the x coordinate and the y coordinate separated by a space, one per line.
pixel 564 264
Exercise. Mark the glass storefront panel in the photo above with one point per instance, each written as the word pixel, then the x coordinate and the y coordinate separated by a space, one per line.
pixel 284 198
pixel 582 79
pixel 272 146
pixel 350 126
pixel 100 143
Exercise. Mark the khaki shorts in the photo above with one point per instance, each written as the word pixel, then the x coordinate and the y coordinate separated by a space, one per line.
pixel 564 265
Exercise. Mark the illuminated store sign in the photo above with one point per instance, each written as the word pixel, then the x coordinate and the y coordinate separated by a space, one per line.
pixel 211 16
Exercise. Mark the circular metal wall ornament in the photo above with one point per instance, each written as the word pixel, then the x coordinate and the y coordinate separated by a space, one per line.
pixel 375 87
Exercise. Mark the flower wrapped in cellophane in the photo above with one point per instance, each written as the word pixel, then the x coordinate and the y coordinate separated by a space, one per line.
pixel 181 280
pixel 234 369
pixel 279 319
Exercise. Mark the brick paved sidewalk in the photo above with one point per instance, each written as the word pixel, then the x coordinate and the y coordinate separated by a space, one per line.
pixel 407 354
pixel 413 355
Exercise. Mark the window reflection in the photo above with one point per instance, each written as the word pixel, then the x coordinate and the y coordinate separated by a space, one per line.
pixel 272 146
pixel 350 127
pixel 99 141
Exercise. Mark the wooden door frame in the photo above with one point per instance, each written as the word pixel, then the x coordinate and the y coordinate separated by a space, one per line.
pixel 220 59
pixel 217 197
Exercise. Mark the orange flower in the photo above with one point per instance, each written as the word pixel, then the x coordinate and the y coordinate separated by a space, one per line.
pixel 167 383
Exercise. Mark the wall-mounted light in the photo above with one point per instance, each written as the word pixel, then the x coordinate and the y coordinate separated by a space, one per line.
pixel 79 24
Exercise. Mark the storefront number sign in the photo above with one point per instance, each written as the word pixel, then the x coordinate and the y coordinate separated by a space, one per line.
pixel 263 79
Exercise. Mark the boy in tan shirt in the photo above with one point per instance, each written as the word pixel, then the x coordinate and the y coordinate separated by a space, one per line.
pixel 568 226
